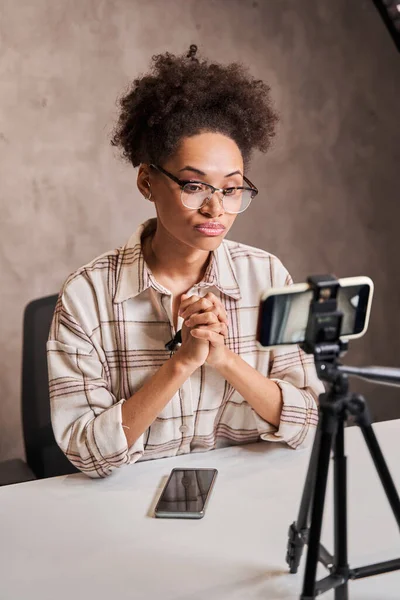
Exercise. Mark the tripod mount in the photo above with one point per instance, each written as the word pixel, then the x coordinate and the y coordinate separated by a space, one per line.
pixel 322 339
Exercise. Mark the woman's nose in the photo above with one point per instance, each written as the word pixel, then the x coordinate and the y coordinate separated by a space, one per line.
pixel 213 206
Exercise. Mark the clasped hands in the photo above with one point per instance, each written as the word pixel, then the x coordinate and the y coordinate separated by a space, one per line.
pixel 204 329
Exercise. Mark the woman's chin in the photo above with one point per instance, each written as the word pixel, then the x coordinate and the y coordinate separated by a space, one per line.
pixel 208 243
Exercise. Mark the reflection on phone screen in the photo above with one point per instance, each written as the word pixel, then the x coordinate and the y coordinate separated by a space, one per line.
pixel 186 490
pixel 290 314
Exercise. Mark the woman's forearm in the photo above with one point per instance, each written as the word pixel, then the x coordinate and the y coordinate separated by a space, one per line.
pixel 141 409
pixel 260 392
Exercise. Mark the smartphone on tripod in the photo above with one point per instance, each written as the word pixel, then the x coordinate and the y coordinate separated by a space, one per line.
pixel 283 313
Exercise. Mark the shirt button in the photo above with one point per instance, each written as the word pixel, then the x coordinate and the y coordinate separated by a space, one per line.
pixel 183 428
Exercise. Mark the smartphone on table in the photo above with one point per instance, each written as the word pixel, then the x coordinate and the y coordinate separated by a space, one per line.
pixel 283 313
pixel 186 494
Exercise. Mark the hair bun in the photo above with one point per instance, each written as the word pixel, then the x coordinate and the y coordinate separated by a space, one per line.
pixel 192 52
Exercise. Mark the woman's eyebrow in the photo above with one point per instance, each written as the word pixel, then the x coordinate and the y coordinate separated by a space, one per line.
pixel 189 168
pixel 234 173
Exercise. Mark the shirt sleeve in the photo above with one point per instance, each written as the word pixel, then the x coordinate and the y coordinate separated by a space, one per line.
pixel 86 416
pixel 294 372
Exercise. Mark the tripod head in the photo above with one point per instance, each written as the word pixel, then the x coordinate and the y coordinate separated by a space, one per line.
pixel 322 338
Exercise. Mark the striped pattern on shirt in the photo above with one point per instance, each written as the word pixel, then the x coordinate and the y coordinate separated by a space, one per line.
pixel 108 336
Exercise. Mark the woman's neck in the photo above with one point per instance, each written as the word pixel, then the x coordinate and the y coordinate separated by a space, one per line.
pixel 170 261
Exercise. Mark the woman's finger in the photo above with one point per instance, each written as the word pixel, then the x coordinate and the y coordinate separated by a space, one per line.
pixel 205 318
pixel 209 303
pixel 198 305
pixel 187 301
pixel 219 308
pixel 217 327
pixel 215 338
pixel 224 330
pixel 221 314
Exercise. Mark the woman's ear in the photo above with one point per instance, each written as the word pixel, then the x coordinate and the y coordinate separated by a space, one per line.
pixel 143 181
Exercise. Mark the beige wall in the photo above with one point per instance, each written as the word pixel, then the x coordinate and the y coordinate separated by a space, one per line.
pixel 328 200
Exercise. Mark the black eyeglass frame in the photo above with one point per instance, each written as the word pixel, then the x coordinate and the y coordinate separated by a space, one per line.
pixel 223 191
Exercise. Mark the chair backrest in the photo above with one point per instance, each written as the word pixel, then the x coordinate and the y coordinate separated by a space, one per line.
pixel 43 455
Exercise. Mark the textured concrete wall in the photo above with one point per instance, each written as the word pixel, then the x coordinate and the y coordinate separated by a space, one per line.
pixel 328 198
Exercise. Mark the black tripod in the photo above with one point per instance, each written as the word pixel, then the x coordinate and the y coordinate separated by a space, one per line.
pixel 322 339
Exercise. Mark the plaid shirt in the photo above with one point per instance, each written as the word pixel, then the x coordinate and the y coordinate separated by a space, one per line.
pixel 108 337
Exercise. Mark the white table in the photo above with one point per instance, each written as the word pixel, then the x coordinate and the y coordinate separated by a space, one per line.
pixel 72 537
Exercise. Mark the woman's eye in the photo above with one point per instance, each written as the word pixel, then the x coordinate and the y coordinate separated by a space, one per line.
pixel 193 188
pixel 230 191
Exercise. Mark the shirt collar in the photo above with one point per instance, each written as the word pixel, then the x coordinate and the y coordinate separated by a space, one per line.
pixel 134 276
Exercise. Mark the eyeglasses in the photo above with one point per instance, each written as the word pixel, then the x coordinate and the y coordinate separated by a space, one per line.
pixel 195 194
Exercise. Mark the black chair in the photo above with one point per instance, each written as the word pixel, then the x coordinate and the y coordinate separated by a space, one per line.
pixel 43 456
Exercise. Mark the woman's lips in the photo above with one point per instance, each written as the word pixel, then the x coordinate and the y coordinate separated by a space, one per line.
pixel 210 229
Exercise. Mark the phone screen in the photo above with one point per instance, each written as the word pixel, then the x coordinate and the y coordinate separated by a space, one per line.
pixel 186 492
pixel 285 316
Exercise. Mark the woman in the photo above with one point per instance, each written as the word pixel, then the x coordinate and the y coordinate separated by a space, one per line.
pixel 118 392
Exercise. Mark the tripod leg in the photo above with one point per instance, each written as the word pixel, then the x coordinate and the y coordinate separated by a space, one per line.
pixel 340 564
pixel 298 529
pixel 359 408
pixel 328 427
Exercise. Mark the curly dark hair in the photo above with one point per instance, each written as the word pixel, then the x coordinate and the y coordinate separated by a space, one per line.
pixel 183 96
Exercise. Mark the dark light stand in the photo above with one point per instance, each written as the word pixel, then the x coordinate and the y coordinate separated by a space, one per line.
pixel 323 340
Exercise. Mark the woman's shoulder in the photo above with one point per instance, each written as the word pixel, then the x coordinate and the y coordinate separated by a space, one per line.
pixel 97 269
pixel 105 269
pixel 86 295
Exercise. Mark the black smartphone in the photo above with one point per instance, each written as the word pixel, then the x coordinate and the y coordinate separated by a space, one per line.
pixel 283 314
pixel 186 494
